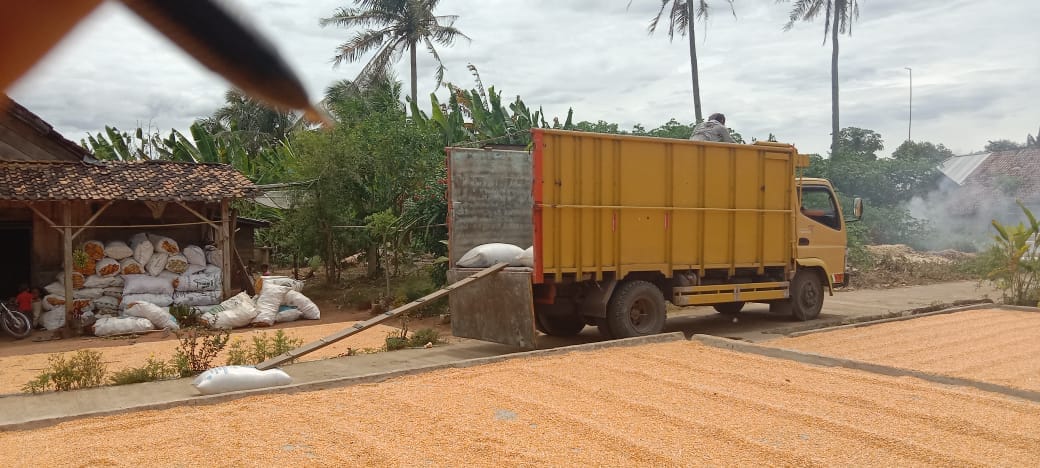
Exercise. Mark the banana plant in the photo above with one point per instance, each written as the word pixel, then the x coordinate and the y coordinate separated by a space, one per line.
pixel 1018 270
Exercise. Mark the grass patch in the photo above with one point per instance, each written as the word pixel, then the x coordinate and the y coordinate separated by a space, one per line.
pixel 152 371
pixel 262 348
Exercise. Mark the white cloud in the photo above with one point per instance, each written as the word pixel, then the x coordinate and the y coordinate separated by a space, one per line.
pixel 974 67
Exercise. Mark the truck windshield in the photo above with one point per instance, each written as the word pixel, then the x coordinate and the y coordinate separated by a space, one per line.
pixel 818 204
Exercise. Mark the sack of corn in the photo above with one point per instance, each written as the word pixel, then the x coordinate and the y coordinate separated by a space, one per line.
pixel 164 244
pixel 94 249
pixel 96 281
pixel 214 256
pixel 107 267
pixel 82 263
pixel 177 263
pixel 130 266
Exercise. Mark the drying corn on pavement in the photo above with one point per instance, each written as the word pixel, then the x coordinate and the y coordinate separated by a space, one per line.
pixel 670 404
pixel 995 346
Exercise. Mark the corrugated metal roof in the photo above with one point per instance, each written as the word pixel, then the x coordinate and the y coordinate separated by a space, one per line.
pixel 959 168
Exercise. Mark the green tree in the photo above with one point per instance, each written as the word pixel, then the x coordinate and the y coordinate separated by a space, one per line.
pixel 390 27
pixel 682 15
pixel 859 144
pixel 252 123
pixel 838 17
pixel 994 146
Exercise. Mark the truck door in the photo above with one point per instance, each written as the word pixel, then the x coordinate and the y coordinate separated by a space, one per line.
pixel 821 230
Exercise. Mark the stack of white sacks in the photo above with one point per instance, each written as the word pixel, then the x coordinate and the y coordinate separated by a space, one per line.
pixel 149 269
pixel 135 283
pixel 279 300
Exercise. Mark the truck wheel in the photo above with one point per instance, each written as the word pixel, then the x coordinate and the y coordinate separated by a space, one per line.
pixel 560 325
pixel 729 308
pixel 806 295
pixel 636 309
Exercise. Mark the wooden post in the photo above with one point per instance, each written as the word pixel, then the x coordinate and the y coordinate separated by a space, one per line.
pixel 67 238
pixel 225 247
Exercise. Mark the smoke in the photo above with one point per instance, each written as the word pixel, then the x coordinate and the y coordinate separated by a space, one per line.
pixel 960 217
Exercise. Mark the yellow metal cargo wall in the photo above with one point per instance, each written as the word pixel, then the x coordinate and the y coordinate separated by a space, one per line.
pixel 620 204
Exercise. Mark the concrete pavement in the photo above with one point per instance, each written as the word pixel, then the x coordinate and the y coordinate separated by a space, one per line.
pixel 754 324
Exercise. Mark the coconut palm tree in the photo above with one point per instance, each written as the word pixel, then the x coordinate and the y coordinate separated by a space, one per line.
pixel 679 20
pixel 838 17
pixel 391 27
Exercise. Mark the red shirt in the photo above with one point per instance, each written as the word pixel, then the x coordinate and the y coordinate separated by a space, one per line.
pixel 24 300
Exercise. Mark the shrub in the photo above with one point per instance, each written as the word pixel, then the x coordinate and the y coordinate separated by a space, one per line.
pixel 264 347
pixel 396 340
pixel 186 316
pixel 198 348
pixel 153 370
pixel 84 370
pixel 423 336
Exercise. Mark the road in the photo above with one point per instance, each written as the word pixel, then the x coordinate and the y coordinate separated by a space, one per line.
pixel 755 323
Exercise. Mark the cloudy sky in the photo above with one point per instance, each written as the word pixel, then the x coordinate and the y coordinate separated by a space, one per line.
pixel 975 67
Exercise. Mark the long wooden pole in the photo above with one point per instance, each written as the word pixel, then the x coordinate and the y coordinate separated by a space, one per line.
pixel 225 247
pixel 67 238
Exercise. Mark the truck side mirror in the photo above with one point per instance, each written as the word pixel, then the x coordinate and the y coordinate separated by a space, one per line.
pixel 857 208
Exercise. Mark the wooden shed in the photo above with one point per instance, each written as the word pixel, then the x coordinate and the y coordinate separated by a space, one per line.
pixel 52 207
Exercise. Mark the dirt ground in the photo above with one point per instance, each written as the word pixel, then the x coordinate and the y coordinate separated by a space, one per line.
pixel 22 360
pixel 673 404
pixel 899 265
pixel 997 346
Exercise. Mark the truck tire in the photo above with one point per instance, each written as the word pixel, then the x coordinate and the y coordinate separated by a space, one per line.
pixel 729 308
pixel 559 325
pixel 636 309
pixel 806 295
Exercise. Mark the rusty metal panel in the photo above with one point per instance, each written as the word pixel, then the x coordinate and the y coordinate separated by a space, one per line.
pixel 490 196
pixel 499 309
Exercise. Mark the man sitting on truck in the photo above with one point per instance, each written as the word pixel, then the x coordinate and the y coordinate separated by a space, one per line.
pixel 713 129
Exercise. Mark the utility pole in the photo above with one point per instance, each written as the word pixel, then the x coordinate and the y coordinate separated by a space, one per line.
pixel 910 119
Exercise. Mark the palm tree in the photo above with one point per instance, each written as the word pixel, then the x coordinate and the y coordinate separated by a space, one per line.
pixel 679 18
pixel 838 17
pixel 252 123
pixel 390 27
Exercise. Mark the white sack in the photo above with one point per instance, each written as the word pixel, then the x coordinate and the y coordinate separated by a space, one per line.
pixel 108 326
pixel 129 266
pixel 116 292
pixel 107 267
pixel 198 282
pixel 96 281
pixel 142 247
pixel 144 284
pixel 164 244
pixel 169 276
pixel 268 301
pixel 118 250
pixel 160 318
pixel 212 269
pixel 195 255
pixel 237 378
pixel 526 258
pixel 157 263
pixel 193 269
pixel 54 318
pixel 235 312
pixel 52 301
pixel 281 281
pixel 55 288
pixel 107 303
pixel 196 298
pixel 483 256
pixel 288 315
pixel 161 300
pixel 214 256
pixel 87 293
pixel 307 307
pixel 177 263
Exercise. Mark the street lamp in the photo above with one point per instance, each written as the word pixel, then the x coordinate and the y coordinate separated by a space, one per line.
pixel 910 119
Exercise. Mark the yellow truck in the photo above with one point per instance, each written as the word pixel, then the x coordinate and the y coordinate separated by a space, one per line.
pixel 621 224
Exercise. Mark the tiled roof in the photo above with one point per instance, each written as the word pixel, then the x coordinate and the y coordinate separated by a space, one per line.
pixel 1013 173
pixel 116 180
